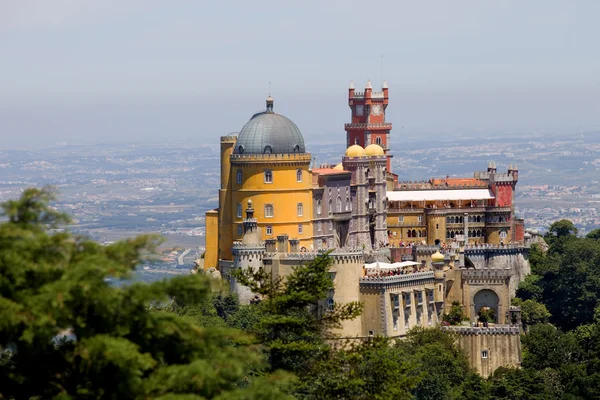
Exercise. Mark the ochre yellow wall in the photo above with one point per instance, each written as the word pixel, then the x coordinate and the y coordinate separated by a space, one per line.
pixel 432 232
pixel 211 255
pixel 284 194
pixel 225 238
pixel 410 222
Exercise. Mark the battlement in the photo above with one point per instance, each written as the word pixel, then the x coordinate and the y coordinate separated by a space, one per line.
pixel 484 275
pixel 380 281
pixel 293 157
pixel 496 177
pixel 377 95
pixel 229 138
pixel 428 185
pixel 489 330
pixel 365 126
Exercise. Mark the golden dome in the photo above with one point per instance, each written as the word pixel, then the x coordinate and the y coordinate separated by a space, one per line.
pixel 355 151
pixel 339 167
pixel 374 150
pixel 437 257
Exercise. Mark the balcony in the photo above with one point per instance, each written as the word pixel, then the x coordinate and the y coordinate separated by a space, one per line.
pixel 342 215
pixel 361 127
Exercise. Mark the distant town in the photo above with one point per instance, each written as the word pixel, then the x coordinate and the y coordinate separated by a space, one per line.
pixel 118 191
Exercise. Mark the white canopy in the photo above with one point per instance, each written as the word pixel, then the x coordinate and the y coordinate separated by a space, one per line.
pixel 432 195
pixel 382 265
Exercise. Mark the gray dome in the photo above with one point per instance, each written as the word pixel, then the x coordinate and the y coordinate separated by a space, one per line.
pixel 267 132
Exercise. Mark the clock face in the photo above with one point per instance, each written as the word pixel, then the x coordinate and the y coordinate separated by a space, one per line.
pixel 360 110
pixel 376 109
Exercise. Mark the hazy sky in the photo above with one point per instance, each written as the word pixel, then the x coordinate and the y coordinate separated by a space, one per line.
pixel 82 71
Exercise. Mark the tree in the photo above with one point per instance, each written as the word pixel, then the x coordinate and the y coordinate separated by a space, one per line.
pixel 455 316
pixel 544 346
pixel 290 323
pixel 443 364
pixel 370 370
pixel 562 228
pixel 66 332
pixel 595 234
pixel 532 312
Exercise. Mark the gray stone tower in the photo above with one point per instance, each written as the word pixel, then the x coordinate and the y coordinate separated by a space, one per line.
pixel 248 253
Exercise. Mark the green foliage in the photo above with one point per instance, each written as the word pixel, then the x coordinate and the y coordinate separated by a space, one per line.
pixel 532 312
pixel 443 364
pixel 522 384
pixel 486 314
pixel 290 322
pixel 562 228
pixel 65 332
pixel 456 315
pixel 544 346
pixel 370 370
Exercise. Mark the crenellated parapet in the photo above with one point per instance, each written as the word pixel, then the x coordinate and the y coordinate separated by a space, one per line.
pixel 397 281
pixel 489 330
pixel 429 185
pixel 491 250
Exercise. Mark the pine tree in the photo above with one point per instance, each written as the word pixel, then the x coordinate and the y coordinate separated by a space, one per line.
pixel 66 332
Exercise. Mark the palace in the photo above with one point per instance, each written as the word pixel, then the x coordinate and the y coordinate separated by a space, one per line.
pixel 406 250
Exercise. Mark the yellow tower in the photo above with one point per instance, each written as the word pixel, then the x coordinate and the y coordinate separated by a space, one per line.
pixel 267 163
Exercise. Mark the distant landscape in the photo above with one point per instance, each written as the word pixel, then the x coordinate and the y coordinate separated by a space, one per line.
pixel 114 191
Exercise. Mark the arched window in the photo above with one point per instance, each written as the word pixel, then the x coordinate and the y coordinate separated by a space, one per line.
pixel 239 210
pixel 347 204
pixel 299 175
pixel 300 209
pixel 338 204
pixel 503 234
pixel 330 209
pixel 319 207
pixel 239 177
pixel 241 149
pixel 355 140
pixel 268 176
pixel 414 233
pixel 268 150
pixel 269 212
pixel 296 149
pixel 330 304
pixel 378 140
pixel 478 218
pixel 408 234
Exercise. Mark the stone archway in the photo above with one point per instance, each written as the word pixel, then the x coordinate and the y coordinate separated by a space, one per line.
pixel 486 298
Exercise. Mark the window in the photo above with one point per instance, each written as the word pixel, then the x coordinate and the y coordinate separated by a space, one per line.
pixel 395 315
pixel 300 209
pixel 430 295
pixel 269 211
pixel 239 177
pixel 420 297
pixel 396 300
pixel 330 210
pixel 355 140
pixel 401 219
pixel 268 150
pixel 299 175
pixel 300 229
pixel 240 230
pixel 420 218
pixel 503 234
pixel 484 354
pixel 338 204
pixel 330 243
pixel 378 140
pixel 330 304
pixel 269 230
pixel 347 204
pixel 407 300
pixel 319 226
pixel 330 225
pixel 437 226
pixel 268 176
pixel 239 210
pixel 319 207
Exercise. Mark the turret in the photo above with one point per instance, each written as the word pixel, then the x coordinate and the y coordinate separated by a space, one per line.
pixel 437 262
pixel 491 169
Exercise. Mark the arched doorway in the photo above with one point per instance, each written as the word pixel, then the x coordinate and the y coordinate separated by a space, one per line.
pixel 486 300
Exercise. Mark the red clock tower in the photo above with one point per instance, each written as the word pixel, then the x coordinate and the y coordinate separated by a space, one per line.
pixel 368 124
